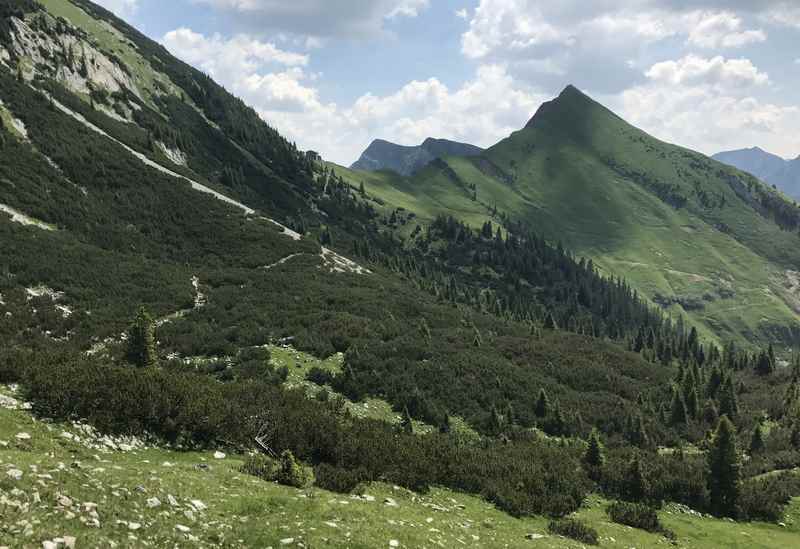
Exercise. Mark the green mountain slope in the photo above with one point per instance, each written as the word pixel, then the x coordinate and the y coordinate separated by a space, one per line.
pixel 701 238
pixel 129 179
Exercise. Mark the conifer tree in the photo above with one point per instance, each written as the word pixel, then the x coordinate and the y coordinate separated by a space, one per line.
pixel 710 413
pixel 724 469
pixel 637 487
pixel 728 404
pixel 764 364
pixel 542 404
pixel 757 440
pixel 407 425
pixel 141 342
pixel 678 416
pixel 594 458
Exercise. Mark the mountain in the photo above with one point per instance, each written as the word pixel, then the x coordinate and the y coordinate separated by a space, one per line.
pixel 702 240
pixel 383 155
pixel 177 280
pixel 770 168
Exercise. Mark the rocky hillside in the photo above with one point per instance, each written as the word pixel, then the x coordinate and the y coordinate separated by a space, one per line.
pixel 383 155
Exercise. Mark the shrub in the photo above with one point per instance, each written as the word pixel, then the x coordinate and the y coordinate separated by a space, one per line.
pixel 319 376
pixel 637 515
pixel 338 479
pixel 574 529
pixel 260 466
pixel 292 472
pixel 765 498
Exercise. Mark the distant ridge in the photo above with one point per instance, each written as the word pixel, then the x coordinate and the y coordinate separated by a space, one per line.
pixel 770 168
pixel 405 160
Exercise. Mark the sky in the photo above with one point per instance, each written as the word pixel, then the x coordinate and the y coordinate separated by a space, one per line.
pixel 332 75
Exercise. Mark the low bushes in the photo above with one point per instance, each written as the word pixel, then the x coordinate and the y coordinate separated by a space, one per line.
pixel 523 477
pixel 637 515
pixel 574 529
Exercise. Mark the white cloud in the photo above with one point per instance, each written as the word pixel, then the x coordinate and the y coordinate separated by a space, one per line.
pixel 536 39
pixel 684 103
pixel 722 30
pixel 718 71
pixel 225 59
pixel 482 111
pixel 318 18
pixel 787 15
pixel 408 8
pixel 122 8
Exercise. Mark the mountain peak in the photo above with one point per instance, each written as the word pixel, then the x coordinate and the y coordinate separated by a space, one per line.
pixel 407 160
pixel 570 103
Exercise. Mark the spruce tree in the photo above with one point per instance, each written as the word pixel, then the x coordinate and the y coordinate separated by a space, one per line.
pixel 757 440
pixel 542 404
pixel 728 404
pixel 637 487
pixel 141 342
pixel 678 416
pixel 594 458
pixel 764 364
pixel 407 425
pixel 724 469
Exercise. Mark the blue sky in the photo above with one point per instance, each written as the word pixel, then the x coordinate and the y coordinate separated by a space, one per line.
pixel 335 74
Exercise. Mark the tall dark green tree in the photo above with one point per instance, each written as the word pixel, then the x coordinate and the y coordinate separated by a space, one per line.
pixel 678 415
pixel 141 343
pixel 542 404
pixel 724 469
pixel 757 440
pixel 728 403
pixel 594 458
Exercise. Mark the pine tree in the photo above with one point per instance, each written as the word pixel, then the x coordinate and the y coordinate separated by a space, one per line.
pixel 757 440
pixel 361 189
pixel 765 365
pixel 141 342
pixel 594 458
pixel 542 404
pixel 728 404
pixel 678 416
pixel 710 413
pixel 407 425
pixel 724 469
pixel 637 488
pixel 637 433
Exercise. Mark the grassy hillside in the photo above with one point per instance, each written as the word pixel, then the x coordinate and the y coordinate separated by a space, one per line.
pixel 151 496
pixel 688 232
pixel 120 192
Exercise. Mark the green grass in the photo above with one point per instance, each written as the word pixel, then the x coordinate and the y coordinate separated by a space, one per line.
pixel 300 364
pixel 564 188
pixel 243 511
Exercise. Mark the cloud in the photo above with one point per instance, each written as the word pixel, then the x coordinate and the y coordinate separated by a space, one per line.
pixel 483 110
pixel 122 8
pixel 225 59
pixel 408 8
pixel 574 37
pixel 707 105
pixel 723 30
pixel 317 18
pixel 717 71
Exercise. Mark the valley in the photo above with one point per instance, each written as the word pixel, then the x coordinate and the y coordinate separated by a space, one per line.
pixel 208 337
